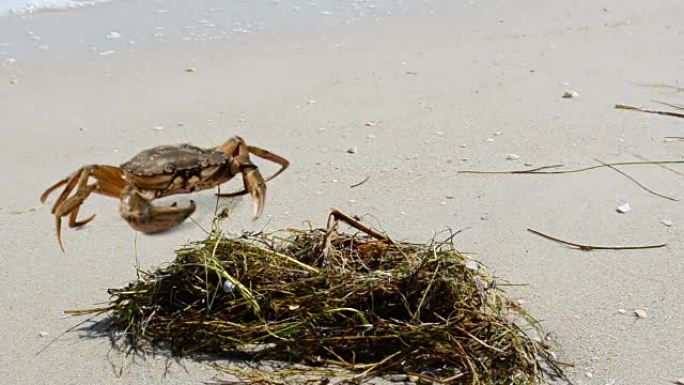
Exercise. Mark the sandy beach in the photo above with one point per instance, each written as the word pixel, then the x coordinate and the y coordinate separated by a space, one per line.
pixel 420 90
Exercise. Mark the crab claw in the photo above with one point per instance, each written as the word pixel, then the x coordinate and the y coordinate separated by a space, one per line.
pixel 256 186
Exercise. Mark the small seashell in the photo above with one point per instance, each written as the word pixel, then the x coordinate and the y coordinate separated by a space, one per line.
pixel 228 287
pixel 624 209
pixel 472 265
pixel 571 94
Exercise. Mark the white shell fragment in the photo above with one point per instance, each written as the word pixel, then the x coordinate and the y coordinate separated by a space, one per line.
pixel 571 94
pixel 640 313
pixel 512 156
pixel 624 209
pixel 228 287
pixel 43 334
pixel 667 222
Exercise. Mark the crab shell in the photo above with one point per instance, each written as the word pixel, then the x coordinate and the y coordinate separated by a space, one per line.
pixel 174 169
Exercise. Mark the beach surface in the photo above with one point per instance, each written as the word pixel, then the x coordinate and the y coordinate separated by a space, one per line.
pixel 418 91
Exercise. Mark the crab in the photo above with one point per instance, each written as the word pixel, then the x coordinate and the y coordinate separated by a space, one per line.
pixel 159 172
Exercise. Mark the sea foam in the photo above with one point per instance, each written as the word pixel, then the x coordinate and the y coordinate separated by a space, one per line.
pixel 25 7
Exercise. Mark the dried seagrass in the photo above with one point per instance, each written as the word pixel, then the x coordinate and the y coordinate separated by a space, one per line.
pixel 325 298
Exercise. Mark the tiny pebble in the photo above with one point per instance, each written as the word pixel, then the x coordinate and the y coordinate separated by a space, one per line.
pixel 490 140
pixel 640 313
pixel 589 374
pixel 113 35
pixel 43 334
pixel 680 381
pixel 370 124
pixel 463 145
pixel 498 133
pixel 512 156
pixel 528 164
pixel 464 159
pixel 442 203
pixel 484 217
pixel 335 180
pixel 622 311
pixel 312 101
pixel 352 150
pixel 14 81
pixel 449 197
pixel 190 69
pixel 228 287
pixel 107 52
pixel 624 209
pixel 439 133
pixel 667 222
pixel 352 201
pixel 370 136
pixel 570 94
pixel 158 128
pixel 397 378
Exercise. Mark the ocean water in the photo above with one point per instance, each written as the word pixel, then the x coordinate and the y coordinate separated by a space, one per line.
pixel 22 7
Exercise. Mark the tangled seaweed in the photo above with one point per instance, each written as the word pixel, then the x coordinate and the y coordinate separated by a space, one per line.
pixel 326 298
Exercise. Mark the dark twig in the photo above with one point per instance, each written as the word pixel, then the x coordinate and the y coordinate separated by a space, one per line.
pixel 592 247
pixel 360 183
pixel 636 181
pixel 657 112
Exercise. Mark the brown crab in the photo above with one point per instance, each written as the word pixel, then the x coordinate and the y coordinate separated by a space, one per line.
pixel 159 172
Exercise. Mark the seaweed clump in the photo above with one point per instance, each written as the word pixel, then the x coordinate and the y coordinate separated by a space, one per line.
pixel 325 298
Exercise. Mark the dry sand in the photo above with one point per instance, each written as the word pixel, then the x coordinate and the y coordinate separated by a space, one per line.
pixel 436 79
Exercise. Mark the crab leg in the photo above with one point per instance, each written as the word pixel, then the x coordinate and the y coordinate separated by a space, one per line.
pixel 230 149
pixel 110 182
pixel 143 216
pixel 254 182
